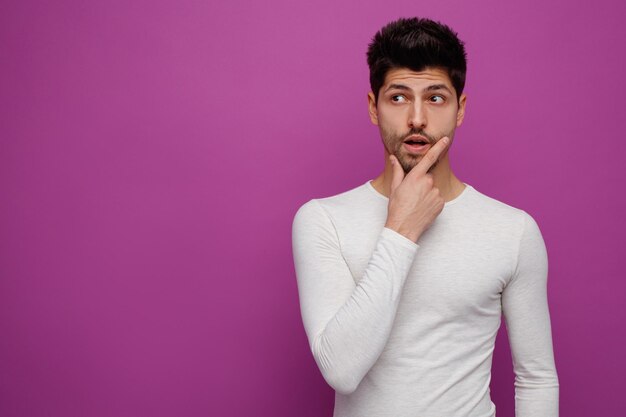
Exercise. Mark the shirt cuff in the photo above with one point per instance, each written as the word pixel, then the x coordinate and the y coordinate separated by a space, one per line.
pixel 399 239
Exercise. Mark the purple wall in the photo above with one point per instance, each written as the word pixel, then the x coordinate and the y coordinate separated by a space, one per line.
pixel 153 154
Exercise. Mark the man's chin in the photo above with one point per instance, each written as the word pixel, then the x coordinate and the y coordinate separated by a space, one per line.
pixel 407 166
pixel 407 162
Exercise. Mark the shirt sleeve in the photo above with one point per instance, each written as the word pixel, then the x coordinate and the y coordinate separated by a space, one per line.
pixel 347 324
pixel 525 307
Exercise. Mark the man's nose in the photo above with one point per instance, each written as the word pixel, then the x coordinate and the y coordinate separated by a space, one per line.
pixel 417 116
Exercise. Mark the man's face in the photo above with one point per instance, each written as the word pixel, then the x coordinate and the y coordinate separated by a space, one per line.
pixel 415 106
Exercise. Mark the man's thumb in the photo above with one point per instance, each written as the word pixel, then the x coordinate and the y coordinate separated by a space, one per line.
pixel 397 173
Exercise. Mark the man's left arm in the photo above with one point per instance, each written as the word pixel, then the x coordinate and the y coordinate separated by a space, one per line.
pixel 525 308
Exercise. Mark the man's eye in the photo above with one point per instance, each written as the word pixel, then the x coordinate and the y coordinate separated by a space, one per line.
pixel 398 98
pixel 437 99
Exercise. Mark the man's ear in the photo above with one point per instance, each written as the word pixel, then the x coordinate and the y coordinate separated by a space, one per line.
pixel 460 115
pixel 373 111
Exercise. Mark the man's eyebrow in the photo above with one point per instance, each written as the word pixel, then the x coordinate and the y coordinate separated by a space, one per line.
pixel 435 87
pixel 397 87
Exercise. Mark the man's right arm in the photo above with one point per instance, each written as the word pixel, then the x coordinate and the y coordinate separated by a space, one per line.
pixel 347 324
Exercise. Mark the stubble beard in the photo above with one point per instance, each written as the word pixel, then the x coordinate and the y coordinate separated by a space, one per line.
pixel 394 144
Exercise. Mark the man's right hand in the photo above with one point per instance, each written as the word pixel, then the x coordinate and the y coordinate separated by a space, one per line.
pixel 414 201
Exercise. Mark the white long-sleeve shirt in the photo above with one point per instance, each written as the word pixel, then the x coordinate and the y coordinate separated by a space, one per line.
pixel 400 328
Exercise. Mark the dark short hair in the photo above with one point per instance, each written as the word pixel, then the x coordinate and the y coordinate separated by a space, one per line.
pixel 416 43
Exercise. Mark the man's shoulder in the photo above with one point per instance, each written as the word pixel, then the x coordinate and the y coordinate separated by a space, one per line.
pixel 348 202
pixel 343 200
pixel 493 204
pixel 500 212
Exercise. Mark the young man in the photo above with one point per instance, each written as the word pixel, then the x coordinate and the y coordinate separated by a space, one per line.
pixel 403 280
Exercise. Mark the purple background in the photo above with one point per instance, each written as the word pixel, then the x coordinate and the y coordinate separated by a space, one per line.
pixel 153 155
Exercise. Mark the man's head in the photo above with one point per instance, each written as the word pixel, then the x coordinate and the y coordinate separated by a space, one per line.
pixel 417 75
pixel 416 44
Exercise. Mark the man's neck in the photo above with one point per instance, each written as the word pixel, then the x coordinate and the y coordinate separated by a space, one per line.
pixel 444 179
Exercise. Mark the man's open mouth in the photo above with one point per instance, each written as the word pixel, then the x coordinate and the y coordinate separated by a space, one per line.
pixel 416 142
